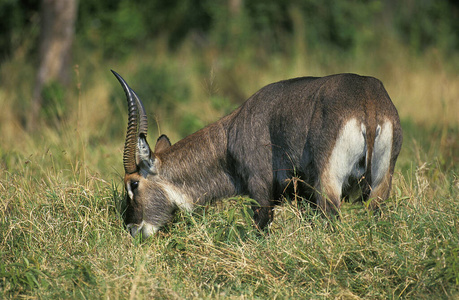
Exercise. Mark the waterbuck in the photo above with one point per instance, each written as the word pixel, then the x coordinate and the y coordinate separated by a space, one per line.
pixel 334 134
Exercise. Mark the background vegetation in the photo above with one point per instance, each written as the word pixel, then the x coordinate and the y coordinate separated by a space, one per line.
pixel 192 62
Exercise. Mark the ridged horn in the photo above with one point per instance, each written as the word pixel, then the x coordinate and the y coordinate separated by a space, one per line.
pixel 130 144
pixel 143 122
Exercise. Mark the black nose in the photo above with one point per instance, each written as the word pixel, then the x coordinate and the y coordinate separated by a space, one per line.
pixel 133 231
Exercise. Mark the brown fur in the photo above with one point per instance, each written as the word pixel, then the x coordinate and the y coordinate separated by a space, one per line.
pixel 287 129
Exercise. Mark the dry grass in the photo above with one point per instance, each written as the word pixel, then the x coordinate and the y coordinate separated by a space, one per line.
pixel 62 237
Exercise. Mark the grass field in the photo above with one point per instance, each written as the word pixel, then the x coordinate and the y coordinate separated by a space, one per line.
pixel 62 236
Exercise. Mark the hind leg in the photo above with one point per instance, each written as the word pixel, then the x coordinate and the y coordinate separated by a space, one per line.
pixel 328 195
pixel 342 162
pixel 385 154
pixel 380 192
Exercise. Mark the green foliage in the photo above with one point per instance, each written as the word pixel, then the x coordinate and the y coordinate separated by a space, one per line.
pixel 429 24
pixel 123 25
pixel 80 274
pixel 189 123
pixel 443 260
pixel 235 223
pixel 177 18
pixel 117 27
pixel 326 23
pixel 341 24
pixel 163 87
pixel 54 106
pixel 222 104
pixel 231 224
pixel 18 19
pixel 24 276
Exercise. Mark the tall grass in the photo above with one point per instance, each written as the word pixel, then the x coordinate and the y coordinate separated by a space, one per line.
pixel 62 237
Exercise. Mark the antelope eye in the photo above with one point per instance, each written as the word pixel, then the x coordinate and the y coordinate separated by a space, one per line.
pixel 134 185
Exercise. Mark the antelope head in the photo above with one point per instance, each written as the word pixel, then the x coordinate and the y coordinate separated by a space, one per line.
pixel 147 205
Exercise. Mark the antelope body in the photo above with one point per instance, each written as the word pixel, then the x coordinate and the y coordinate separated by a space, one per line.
pixel 335 133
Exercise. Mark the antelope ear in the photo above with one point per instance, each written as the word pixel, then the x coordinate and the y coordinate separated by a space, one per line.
pixel 145 160
pixel 162 143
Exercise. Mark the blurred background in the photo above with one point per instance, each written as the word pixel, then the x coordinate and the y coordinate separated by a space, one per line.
pixel 191 62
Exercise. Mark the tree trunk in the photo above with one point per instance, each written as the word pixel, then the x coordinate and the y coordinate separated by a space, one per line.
pixel 57 32
pixel 235 7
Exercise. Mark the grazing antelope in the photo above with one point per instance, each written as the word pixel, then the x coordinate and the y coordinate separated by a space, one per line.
pixel 335 133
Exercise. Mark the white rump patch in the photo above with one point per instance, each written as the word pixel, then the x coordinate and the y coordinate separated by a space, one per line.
pixel 178 198
pixel 349 149
pixel 381 153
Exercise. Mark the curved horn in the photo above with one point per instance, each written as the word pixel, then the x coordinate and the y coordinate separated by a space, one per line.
pixel 143 122
pixel 131 135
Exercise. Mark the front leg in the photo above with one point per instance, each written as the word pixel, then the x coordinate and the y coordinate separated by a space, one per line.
pixel 264 211
pixel 263 214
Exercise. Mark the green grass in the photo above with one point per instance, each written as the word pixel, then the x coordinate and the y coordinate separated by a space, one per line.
pixel 61 235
